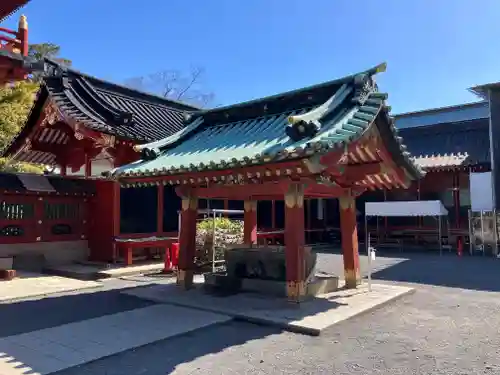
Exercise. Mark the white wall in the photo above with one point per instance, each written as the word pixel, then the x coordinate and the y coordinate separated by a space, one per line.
pixel 481 191
pixel 98 166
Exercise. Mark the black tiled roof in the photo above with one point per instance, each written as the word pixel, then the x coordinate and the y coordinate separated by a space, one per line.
pixel 10 182
pixel 111 108
pixel 65 185
pixel 105 107
pixel 471 137
pixel 62 185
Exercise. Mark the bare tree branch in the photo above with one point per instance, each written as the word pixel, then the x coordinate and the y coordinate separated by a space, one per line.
pixel 172 84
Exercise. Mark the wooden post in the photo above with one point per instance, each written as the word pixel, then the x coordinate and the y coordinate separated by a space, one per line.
pixel 187 241
pixel 159 208
pixel 456 198
pixel 250 223
pixel 349 235
pixel 116 215
pixel 294 242
pixel 456 202
pixel 128 256
pixel 22 35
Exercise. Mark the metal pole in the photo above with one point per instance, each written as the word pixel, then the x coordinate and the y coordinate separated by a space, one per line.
pixel 368 252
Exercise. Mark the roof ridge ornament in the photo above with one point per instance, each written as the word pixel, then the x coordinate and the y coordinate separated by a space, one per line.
pixel 308 124
pixel 364 85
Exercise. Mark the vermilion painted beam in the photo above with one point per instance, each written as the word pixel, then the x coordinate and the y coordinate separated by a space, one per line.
pixel 318 190
pixel 268 191
pixel 253 170
pixel 237 192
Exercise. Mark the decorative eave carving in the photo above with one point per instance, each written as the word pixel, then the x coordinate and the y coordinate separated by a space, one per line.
pixel 52 114
pixel 364 86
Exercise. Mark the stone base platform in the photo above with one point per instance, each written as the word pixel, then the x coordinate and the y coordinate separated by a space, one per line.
pixel 220 282
pixel 310 317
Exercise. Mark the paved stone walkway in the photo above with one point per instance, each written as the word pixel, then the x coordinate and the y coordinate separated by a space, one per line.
pixel 49 350
pixel 29 285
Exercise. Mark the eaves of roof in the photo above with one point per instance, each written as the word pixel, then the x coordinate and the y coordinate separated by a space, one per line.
pixel 210 144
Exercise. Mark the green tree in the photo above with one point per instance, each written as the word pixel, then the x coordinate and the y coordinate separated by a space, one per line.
pixel 46 50
pixel 16 101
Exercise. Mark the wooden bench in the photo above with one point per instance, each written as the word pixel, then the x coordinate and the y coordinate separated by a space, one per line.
pixel 126 246
pixel 272 235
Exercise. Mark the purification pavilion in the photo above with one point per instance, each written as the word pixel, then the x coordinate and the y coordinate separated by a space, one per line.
pixel 335 139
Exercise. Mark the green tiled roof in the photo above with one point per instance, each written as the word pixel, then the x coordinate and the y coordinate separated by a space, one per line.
pixel 312 120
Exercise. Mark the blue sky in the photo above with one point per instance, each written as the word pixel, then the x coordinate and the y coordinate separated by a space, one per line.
pixel 435 50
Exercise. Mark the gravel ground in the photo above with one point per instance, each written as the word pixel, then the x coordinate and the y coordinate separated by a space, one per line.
pixel 441 329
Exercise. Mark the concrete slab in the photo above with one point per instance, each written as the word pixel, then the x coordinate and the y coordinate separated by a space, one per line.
pixel 54 349
pixel 29 285
pixel 311 317
pixel 97 271
pixel 75 271
pixel 115 271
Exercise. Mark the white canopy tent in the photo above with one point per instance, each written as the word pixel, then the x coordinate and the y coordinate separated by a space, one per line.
pixel 405 209
pixel 401 209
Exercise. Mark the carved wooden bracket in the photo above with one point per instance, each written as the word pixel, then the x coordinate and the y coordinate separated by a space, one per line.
pixel 52 114
pixel 347 202
pixel 250 206
pixel 189 203
pixel 294 197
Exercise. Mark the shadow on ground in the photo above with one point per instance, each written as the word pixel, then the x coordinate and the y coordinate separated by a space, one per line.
pixel 52 311
pixel 178 355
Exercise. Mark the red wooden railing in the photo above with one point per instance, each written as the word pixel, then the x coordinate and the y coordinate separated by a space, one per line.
pixel 42 218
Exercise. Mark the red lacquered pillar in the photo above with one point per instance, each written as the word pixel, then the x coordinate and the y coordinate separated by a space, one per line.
pixel 187 241
pixel 250 223
pixel 294 242
pixel 22 35
pixel 349 233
